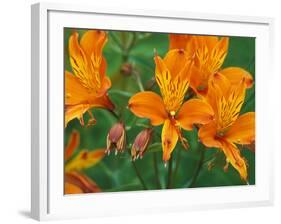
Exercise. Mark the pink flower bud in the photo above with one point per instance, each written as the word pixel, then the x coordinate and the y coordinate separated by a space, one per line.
pixel 116 138
pixel 141 143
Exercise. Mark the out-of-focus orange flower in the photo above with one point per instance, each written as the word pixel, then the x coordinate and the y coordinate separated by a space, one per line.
pixel 172 76
pixel 87 86
pixel 209 53
pixel 75 181
pixel 229 128
pixel 84 160
pixel 78 183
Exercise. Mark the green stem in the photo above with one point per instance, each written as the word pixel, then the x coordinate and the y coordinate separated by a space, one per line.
pixel 127 46
pixel 139 176
pixel 120 93
pixel 151 84
pixel 115 39
pixel 177 166
pixel 209 160
pixel 132 43
pixel 137 171
pixel 156 170
pixel 142 125
pixel 199 166
pixel 170 172
pixel 138 80
pixel 132 123
pixel 115 115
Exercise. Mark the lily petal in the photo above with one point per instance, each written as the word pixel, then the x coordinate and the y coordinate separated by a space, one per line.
pixel 233 156
pixel 169 139
pixel 194 111
pixel 160 67
pixel 226 98
pixel 213 96
pixel 73 143
pixel 198 82
pixel 75 111
pixel 222 82
pixel 87 61
pixel 210 53
pixel 222 45
pixel 72 189
pixel 76 182
pixel 102 102
pixel 243 129
pixel 208 41
pixel 93 41
pixel 219 53
pixel 179 41
pixel 78 58
pixel 236 74
pixel 75 92
pixel 78 94
pixel 176 60
pixel 148 105
pixel 207 135
pixel 84 160
pixel 105 81
pixel 106 84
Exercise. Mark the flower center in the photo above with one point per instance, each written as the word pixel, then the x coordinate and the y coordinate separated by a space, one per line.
pixel 172 113
pixel 228 110
pixel 172 90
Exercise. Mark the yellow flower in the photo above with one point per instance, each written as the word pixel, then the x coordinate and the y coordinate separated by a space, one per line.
pixel 87 86
pixel 209 53
pixel 172 76
pixel 75 181
pixel 228 127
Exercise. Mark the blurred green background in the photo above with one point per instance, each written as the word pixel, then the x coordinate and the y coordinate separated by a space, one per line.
pixel 116 173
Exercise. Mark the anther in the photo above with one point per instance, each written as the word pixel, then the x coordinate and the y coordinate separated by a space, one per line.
pixel 173 113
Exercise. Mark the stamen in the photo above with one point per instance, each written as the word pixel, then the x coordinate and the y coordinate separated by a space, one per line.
pixel 173 113
pixel 92 120
pixel 183 140
pixel 181 51
pixel 225 168
pixel 81 119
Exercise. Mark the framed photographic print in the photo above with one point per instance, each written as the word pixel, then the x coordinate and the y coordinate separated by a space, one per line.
pixel 162 111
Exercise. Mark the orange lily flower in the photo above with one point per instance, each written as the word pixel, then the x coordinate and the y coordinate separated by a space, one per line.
pixel 75 181
pixel 78 183
pixel 209 53
pixel 172 76
pixel 87 86
pixel 229 128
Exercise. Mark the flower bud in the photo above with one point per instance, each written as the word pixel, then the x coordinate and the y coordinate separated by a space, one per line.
pixel 116 138
pixel 141 143
pixel 126 69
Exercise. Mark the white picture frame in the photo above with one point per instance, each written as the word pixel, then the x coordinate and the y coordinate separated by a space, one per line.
pixel 48 201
